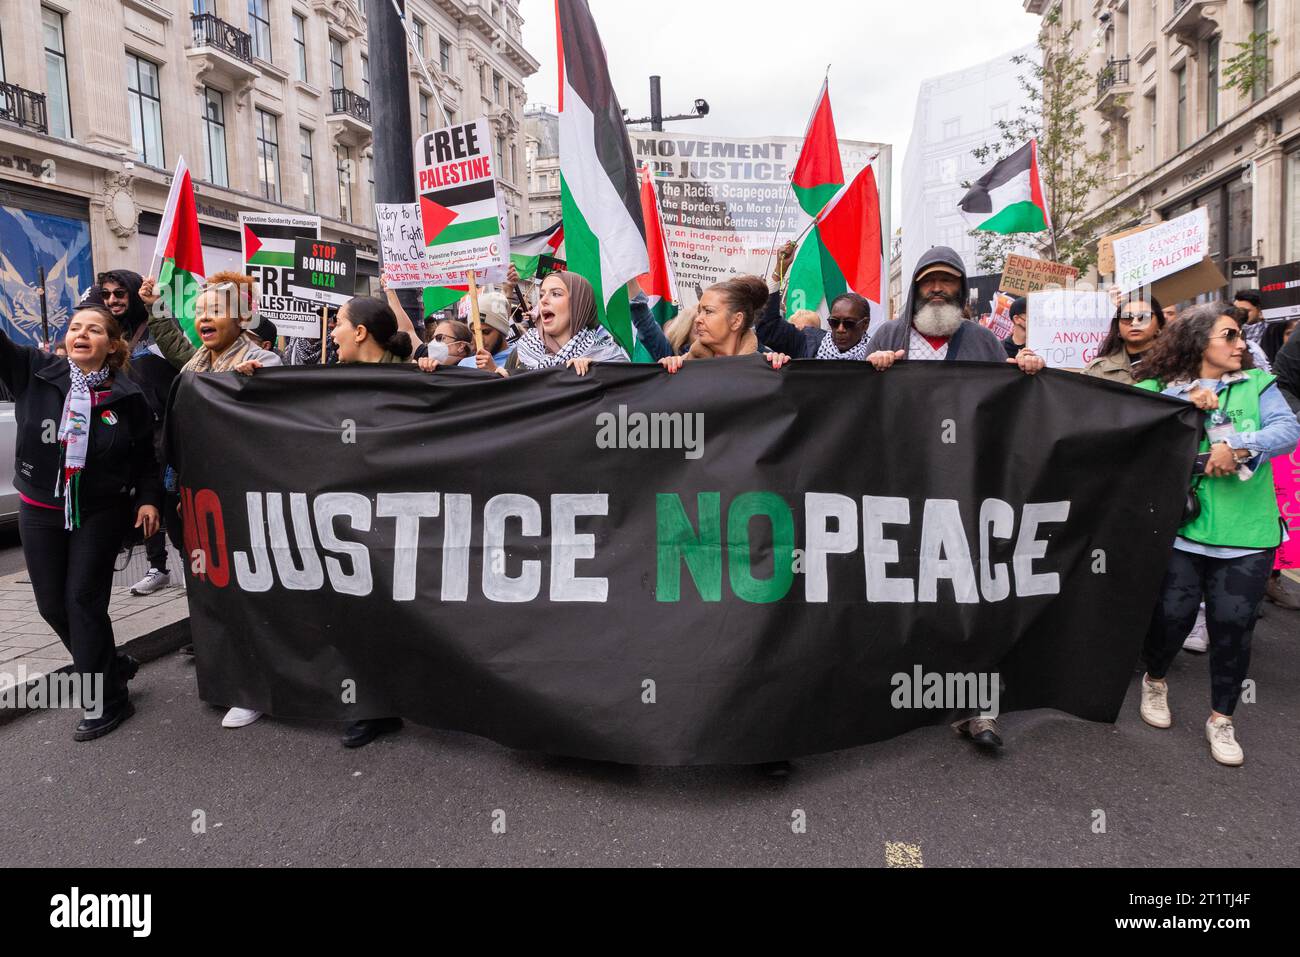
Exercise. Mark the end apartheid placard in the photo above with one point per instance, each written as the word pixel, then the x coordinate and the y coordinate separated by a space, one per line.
pixel 461 212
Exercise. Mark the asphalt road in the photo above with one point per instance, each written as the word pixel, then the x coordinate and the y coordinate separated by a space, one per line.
pixel 11 553
pixel 280 793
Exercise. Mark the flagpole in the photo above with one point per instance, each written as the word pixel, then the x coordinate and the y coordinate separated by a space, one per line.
pixel 789 183
pixel 419 61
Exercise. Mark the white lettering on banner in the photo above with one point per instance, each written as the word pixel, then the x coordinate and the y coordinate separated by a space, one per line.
pixel 1067 327
pixel 941 551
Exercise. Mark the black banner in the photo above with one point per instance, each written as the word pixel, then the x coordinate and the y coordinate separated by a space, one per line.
pixel 727 565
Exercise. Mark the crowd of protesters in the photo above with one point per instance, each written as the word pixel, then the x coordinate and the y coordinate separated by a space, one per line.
pixel 108 385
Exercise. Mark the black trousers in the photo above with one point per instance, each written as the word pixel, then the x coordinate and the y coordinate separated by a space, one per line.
pixel 155 546
pixel 1232 590
pixel 72 576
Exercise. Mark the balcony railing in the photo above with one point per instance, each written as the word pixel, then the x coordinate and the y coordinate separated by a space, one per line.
pixel 1114 72
pixel 343 100
pixel 211 31
pixel 23 107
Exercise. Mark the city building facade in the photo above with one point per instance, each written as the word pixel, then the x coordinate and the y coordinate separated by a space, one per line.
pixel 542 139
pixel 1197 104
pixel 955 114
pixel 266 100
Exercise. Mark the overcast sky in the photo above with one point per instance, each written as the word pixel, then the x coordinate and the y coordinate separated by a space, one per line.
pixel 760 63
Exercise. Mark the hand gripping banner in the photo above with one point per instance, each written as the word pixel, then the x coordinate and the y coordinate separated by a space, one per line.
pixel 728 565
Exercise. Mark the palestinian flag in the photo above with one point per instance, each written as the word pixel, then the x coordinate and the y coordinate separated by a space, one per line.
pixel 659 284
pixel 437 298
pixel 526 251
pixel 180 251
pixel 460 214
pixel 1008 198
pixel 818 174
pixel 843 252
pixel 604 233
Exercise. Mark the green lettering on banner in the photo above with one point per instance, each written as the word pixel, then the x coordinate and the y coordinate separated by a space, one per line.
pixel 677 541
pixel 739 549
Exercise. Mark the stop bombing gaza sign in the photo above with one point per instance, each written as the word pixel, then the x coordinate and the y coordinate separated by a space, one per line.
pixel 461 210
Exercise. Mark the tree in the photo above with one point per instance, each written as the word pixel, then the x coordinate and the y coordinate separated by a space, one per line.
pixel 1059 87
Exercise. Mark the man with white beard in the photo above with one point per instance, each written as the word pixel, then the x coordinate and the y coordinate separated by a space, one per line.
pixel 933 323
pixel 933 326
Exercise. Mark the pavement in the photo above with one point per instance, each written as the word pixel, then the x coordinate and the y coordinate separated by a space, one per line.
pixel 173 788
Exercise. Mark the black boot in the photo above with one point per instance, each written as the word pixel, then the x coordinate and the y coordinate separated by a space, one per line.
pixel 361 733
pixel 91 728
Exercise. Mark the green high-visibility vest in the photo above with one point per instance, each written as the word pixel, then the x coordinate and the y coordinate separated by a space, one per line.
pixel 1236 514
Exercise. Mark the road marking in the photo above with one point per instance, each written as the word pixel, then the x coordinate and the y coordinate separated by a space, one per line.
pixel 902 855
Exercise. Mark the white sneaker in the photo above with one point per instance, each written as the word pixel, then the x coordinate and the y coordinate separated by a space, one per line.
pixel 1155 704
pixel 240 718
pixel 151 582
pixel 1198 639
pixel 1223 742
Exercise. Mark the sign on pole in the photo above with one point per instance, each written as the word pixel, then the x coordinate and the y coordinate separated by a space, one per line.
pixel 324 272
pixel 461 212
pixel 268 240
pixel 1024 274
pixel 1067 327
pixel 1279 291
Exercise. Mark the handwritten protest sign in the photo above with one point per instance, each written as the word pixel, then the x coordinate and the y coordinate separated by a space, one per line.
pixel 1067 328
pixel 1162 250
pixel 1023 275
pixel 461 211
pixel 401 239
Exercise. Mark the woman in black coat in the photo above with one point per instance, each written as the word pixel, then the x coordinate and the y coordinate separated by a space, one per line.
pixel 85 470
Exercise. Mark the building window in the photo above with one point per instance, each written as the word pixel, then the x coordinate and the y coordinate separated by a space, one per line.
pixel 1153 131
pixel 143 97
pixel 419 36
pixel 1259 26
pixel 259 27
pixel 501 151
pixel 343 161
pixel 424 112
pixel 365 76
pixel 2 58
pixel 451 117
pixel 444 55
pixel 308 169
pixel 214 136
pixel 56 74
pixel 203 6
pixel 496 87
pixel 1181 115
pixel 336 64
pixel 1293 206
pixel 268 155
pixel 300 45
pixel 483 80
pixel 1212 84
pixel 951 129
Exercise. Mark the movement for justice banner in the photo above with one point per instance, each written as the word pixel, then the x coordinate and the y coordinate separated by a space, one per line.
pixel 720 566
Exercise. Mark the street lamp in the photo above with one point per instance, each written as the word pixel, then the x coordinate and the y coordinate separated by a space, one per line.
pixel 656 119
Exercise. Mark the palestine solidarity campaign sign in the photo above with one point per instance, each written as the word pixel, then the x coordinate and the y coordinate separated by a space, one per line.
pixel 713 567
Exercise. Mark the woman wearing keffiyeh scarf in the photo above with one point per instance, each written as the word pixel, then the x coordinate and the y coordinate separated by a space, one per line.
pixel 80 493
pixel 566 332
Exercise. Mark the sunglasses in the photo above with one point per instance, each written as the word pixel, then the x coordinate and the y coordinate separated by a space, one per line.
pixel 448 340
pixel 1137 317
pixel 844 323
pixel 1228 335
pixel 116 294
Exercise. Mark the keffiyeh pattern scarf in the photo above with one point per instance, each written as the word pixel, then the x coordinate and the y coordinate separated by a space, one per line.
pixel 828 350
pixel 74 438
pixel 533 355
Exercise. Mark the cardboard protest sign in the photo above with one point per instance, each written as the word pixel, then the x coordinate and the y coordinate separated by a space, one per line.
pixel 1279 291
pixel 1067 327
pixel 324 272
pixel 401 241
pixel 461 211
pixel 1205 276
pixel 1106 248
pixel 1023 275
pixel 268 240
pixel 1146 257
